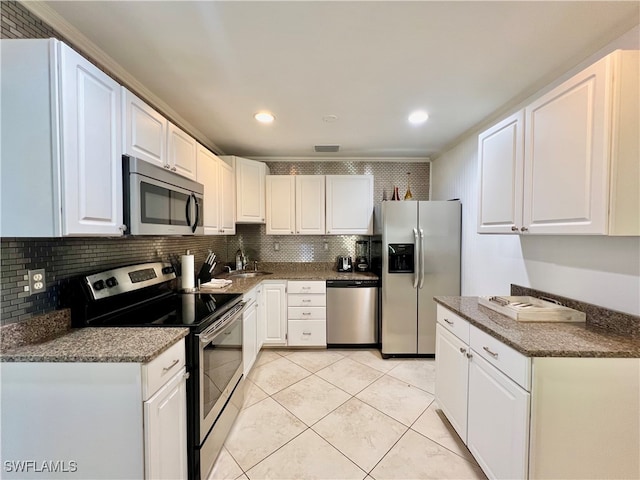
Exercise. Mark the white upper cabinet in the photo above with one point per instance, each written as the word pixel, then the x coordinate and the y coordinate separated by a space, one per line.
pixel 295 204
pixel 349 204
pixel 149 136
pixel 217 178
pixel 250 190
pixel 227 198
pixel 145 130
pixel 281 197
pixel 500 159
pixel 310 204
pixel 61 143
pixel 182 152
pixel 209 176
pixel 581 162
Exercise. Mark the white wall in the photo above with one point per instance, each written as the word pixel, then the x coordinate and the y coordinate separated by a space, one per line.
pixel 600 270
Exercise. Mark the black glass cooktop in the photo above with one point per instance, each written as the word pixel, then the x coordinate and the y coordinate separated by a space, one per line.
pixel 180 310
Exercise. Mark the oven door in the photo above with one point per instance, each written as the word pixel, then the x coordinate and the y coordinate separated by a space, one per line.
pixel 220 369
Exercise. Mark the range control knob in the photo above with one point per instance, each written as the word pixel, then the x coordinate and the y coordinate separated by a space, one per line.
pixel 167 270
pixel 99 285
pixel 112 282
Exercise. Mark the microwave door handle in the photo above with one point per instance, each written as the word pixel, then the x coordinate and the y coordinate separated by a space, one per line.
pixel 188 210
pixel 421 258
pixel 416 266
pixel 195 222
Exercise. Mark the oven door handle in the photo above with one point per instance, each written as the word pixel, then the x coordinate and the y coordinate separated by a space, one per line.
pixel 212 332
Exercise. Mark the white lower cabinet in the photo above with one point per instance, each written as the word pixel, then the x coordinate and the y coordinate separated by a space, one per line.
pixel 97 420
pixel 250 330
pixel 452 379
pixel 498 421
pixel 307 314
pixel 165 423
pixel 275 312
pixel 548 417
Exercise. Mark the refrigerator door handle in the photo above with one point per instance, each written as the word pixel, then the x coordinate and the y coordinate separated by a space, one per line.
pixel 416 265
pixel 421 258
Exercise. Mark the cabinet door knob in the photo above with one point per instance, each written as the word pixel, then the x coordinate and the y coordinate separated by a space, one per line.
pixel 122 228
pixel 524 229
pixel 173 169
pixel 514 228
pixel 167 166
pixel 469 355
pixel 463 350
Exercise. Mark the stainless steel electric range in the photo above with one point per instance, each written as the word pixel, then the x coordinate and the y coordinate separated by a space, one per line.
pixel 142 295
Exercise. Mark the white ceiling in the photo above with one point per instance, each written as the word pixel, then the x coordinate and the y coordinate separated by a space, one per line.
pixel 368 63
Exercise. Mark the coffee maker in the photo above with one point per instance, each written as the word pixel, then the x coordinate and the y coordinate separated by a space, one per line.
pixel 362 256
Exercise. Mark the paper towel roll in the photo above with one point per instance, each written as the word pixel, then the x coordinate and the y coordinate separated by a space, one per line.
pixel 188 276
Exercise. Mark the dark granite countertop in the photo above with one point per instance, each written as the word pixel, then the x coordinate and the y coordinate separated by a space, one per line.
pixel 544 339
pixel 243 285
pixel 117 344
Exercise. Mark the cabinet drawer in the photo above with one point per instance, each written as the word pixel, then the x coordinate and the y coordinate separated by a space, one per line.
pixel 306 287
pixel 510 362
pixel 251 295
pixel 307 333
pixel 307 313
pixel 307 300
pixel 454 323
pixel 159 370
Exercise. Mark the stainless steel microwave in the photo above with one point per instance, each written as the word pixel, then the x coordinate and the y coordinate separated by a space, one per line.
pixel 160 202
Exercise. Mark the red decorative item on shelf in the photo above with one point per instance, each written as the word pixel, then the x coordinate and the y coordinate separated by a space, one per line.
pixel 396 195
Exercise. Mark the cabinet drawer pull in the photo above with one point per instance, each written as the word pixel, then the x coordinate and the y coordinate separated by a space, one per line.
pixel 173 364
pixel 306 313
pixel 493 354
pixel 463 350
pixel 306 301
pixel 448 321
pixel 306 288
pixel 306 333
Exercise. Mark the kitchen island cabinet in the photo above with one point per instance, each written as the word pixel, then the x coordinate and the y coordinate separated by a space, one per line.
pixel 538 416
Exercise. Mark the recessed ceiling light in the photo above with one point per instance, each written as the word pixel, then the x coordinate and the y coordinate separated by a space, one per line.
pixel 330 118
pixel 264 117
pixel 418 117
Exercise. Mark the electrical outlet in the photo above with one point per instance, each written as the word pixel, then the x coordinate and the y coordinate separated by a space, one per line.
pixel 37 281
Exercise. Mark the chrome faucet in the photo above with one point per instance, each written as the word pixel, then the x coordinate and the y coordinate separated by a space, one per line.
pixel 227 266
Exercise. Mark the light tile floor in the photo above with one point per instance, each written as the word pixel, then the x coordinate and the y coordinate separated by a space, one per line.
pixel 342 414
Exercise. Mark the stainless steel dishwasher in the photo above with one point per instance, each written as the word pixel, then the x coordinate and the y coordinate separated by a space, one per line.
pixel 352 312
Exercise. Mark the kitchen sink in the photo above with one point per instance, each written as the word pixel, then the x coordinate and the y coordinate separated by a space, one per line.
pixel 249 274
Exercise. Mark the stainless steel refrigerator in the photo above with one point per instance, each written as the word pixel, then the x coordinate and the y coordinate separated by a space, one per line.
pixel 420 260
